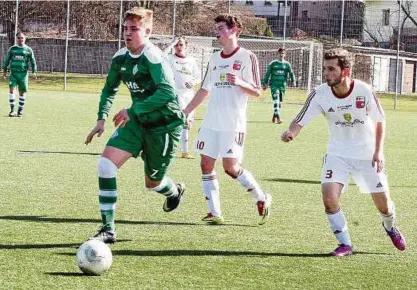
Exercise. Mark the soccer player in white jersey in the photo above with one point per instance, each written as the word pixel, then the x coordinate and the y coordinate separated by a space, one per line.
pixel 356 146
pixel 186 76
pixel 231 76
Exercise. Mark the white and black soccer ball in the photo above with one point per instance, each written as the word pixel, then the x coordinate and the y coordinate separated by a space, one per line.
pixel 94 257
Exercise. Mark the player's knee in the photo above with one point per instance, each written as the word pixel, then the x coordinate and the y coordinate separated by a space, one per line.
pixel 106 168
pixel 206 166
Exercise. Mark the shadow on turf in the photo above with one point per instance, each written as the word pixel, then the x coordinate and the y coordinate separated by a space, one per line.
pixel 38 152
pixel 66 274
pixel 47 246
pixel 293 180
pixel 31 218
pixel 197 253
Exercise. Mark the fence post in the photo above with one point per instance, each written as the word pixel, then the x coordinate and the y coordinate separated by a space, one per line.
pixel 229 8
pixel 285 20
pixel 341 23
pixel 66 46
pixel 120 24
pixel 310 68
pixel 173 18
pixel 16 20
pixel 397 68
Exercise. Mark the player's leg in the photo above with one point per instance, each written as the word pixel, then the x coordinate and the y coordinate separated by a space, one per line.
pixel 231 145
pixel 275 102
pixel 158 153
pixel 110 161
pixel 12 85
pixel 335 178
pixel 185 137
pixel 123 144
pixel 206 145
pixel 370 181
pixel 22 84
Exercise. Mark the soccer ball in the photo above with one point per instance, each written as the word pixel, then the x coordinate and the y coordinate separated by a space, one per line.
pixel 94 257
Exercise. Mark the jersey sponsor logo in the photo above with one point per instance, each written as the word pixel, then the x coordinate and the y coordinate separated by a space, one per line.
pixel 223 66
pixel 360 102
pixel 214 68
pixel 134 88
pixel 135 69
pixel 349 123
pixel 18 57
pixel 122 68
pixel 331 110
pixel 237 65
pixel 348 117
pixel 344 108
pixel 222 82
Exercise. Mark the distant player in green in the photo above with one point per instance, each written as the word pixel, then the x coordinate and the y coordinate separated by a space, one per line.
pixel 19 57
pixel 276 77
pixel 151 127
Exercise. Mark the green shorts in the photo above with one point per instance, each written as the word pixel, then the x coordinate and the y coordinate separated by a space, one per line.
pixel 19 79
pixel 156 149
pixel 278 93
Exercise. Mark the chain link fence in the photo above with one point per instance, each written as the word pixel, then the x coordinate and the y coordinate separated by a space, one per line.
pixel 81 36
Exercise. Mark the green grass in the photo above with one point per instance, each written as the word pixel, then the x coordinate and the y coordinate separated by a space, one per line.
pixel 49 206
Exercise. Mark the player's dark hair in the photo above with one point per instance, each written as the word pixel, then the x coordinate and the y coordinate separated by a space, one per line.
pixel 281 50
pixel 342 55
pixel 231 21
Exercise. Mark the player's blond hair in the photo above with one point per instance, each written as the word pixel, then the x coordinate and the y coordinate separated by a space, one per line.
pixel 145 16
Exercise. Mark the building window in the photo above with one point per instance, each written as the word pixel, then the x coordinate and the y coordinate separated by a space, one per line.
pixel 268 3
pixel 385 17
pixel 304 14
pixel 249 2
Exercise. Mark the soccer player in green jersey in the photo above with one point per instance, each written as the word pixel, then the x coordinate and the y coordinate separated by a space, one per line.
pixel 19 57
pixel 151 127
pixel 276 77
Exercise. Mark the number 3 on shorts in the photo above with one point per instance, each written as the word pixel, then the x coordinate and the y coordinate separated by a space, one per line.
pixel 329 173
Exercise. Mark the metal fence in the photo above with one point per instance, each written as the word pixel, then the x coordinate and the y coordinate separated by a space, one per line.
pixel 81 36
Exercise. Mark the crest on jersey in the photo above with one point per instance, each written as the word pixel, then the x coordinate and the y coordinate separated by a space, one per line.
pixel 360 102
pixel 237 65
pixel 135 69
pixel 348 117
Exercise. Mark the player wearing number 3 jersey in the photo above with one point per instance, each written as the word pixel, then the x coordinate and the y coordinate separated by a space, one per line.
pixel 356 139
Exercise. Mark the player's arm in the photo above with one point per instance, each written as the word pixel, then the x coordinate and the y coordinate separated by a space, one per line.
pixel 168 49
pixel 309 111
pixel 196 101
pixel 292 75
pixel 33 62
pixel 377 114
pixel 6 63
pixel 106 101
pixel 162 76
pixel 266 77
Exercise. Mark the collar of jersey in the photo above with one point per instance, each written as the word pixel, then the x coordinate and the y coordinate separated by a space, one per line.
pixel 137 55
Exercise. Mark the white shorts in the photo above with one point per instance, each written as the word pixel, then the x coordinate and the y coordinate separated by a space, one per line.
pixel 338 169
pixel 220 144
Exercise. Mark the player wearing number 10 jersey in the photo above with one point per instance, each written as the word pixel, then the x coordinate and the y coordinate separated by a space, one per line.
pixel 231 76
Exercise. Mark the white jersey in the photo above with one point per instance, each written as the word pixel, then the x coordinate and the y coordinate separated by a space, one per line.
pixel 351 119
pixel 185 70
pixel 226 108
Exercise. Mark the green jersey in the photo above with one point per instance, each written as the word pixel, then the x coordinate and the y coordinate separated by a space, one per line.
pixel 150 80
pixel 277 74
pixel 19 58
